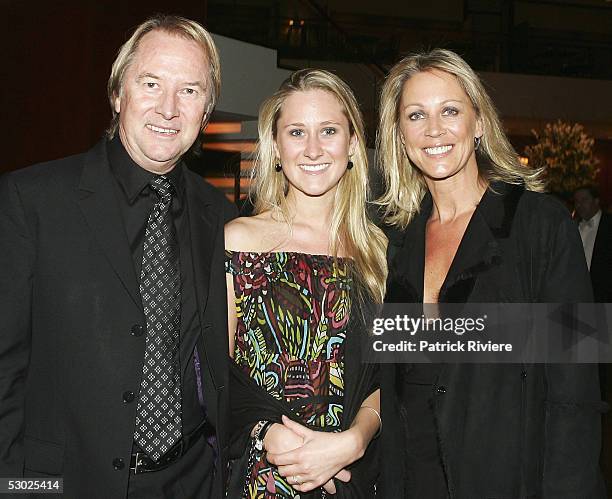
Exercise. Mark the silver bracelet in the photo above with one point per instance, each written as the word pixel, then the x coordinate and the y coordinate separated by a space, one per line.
pixel 379 419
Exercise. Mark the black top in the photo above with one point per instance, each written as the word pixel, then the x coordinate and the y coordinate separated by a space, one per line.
pixel 416 399
pixel 136 199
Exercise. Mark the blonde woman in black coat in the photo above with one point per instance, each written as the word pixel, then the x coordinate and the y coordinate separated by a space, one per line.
pixel 468 223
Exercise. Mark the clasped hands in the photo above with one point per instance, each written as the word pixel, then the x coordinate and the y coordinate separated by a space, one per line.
pixel 310 459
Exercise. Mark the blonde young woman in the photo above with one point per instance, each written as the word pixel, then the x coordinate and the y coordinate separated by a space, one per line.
pixel 468 224
pixel 303 274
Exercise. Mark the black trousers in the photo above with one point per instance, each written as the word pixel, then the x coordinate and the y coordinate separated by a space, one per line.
pixel 190 477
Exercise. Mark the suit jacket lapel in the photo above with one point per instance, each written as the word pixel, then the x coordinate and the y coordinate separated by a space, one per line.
pixel 98 202
pixel 204 226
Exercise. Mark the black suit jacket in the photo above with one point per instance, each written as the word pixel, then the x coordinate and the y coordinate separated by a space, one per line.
pixel 69 297
pixel 601 261
pixel 503 431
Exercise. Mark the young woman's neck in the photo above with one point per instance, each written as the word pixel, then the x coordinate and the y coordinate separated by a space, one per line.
pixel 312 211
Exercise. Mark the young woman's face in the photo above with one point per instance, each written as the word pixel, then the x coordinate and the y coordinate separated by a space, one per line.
pixel 314 142
pixel 438 125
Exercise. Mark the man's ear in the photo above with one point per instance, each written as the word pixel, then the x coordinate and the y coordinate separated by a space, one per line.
pixel 206 117
pixel 205 121
pixel 117 104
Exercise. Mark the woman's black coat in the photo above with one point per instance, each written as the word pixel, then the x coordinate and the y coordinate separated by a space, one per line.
pixel 504 431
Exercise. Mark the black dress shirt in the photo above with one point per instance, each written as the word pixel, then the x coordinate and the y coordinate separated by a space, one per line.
pixel 136 199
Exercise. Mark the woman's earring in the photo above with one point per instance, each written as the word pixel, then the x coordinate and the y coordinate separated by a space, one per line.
pixel 476 143
pixel 278 167
pixel 349 165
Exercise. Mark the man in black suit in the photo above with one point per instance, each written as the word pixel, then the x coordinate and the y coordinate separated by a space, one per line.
pixel 113 352
pixel 596 232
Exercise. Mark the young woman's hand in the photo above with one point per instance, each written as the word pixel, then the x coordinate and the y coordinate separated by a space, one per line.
pixel 280 439
pixel 322 456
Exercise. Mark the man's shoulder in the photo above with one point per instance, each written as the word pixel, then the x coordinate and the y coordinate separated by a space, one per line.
pixel 49 168
pixel 605 224
pixel 63 173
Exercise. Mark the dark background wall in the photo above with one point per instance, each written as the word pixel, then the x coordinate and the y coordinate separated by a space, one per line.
pixel 57 58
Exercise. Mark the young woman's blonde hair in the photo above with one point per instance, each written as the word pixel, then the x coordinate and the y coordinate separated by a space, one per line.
pixel 404 183
pixel 351 228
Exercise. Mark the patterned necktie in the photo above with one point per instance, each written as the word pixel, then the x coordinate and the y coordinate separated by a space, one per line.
pixel 158 416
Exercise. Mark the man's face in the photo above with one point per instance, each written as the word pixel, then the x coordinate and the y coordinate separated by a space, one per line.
pixel 586 205
pixel 164 95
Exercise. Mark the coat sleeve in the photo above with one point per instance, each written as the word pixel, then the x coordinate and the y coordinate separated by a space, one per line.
pixel 573 406
pixel 16 257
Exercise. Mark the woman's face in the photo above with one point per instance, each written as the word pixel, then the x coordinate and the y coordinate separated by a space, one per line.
pixel 438 125
pixel 313 142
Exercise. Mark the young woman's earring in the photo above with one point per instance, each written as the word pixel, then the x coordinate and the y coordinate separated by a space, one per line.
pixel 349 165
pixel 278 167
pixel 476 143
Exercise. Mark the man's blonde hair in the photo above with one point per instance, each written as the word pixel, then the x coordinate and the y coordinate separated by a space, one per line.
pixel 174 25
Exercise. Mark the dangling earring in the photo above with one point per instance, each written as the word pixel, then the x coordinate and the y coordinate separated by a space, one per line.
pixel 278 167
pixel 349 165
pixel 476 143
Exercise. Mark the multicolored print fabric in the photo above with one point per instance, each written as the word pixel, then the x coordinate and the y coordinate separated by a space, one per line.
pixel 293 310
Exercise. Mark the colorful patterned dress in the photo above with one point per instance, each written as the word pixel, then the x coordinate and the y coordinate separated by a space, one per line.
pixel 293 310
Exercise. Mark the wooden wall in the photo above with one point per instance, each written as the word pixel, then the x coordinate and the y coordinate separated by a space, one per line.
pixel 53 99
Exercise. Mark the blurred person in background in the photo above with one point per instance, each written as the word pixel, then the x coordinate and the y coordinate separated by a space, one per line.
pixel 595 226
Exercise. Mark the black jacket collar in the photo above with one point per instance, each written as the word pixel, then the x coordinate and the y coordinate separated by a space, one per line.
pixel 480 247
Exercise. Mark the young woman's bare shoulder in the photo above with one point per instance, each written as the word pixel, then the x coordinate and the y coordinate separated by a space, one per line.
pixel 248 233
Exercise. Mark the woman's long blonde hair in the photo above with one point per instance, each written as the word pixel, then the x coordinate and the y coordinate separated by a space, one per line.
pixel 404 183
pixel 351 228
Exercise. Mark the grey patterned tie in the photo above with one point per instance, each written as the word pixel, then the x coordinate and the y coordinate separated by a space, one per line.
pixel 158 416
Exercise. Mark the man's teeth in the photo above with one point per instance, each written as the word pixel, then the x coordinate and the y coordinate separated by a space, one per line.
pixel 438 149
pixel 169 131
pixel 314 168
